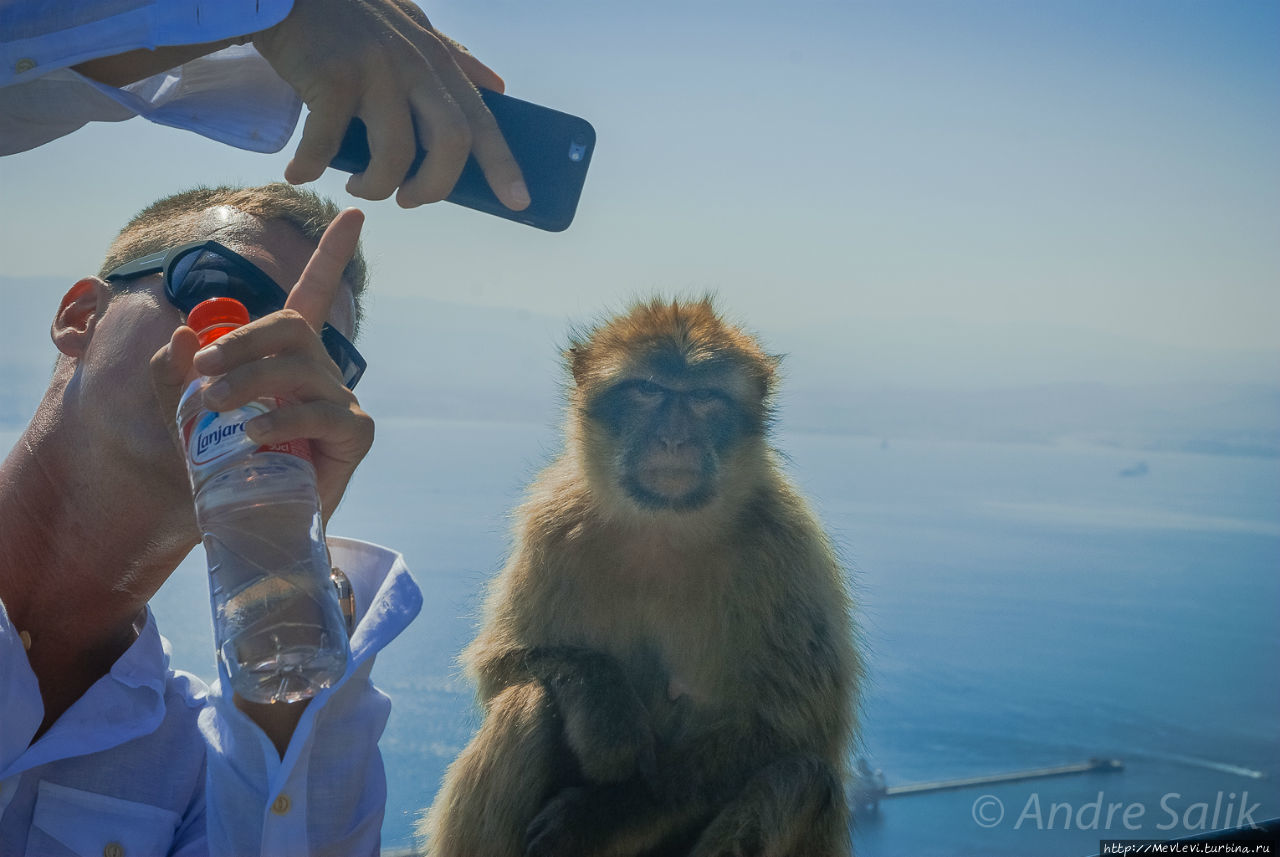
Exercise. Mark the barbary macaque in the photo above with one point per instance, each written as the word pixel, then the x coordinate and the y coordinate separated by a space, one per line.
pixel 667 663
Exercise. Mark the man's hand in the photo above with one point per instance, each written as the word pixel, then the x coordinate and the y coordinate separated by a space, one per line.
pixel 382 60
pixel 280 355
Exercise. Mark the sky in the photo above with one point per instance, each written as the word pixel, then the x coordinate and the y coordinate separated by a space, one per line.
pixel 918 170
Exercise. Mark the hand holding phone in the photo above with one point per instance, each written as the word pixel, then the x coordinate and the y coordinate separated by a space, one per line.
pixel 552 148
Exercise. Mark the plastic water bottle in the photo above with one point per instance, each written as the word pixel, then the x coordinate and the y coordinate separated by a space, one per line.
pixel 277 624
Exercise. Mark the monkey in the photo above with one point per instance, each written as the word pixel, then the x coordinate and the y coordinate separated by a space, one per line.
pixel 667 663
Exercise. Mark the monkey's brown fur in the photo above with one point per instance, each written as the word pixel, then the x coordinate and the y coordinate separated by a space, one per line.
pixel 667 662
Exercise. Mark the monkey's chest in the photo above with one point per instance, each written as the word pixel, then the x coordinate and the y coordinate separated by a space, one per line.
pixel 673 651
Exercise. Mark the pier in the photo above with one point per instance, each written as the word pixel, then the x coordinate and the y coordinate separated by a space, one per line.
pixel 1090 766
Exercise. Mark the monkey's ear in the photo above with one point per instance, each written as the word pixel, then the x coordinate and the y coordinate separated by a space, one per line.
pixel 769 379
pixel 577 357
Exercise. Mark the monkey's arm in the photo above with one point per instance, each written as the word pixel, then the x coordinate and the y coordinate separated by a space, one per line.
pixel 735 774
pixel 793 807
pixel 538 701
pixel 606 725
pixel 500 781
pixel 761 788
pixel 804 678
pixel 616 819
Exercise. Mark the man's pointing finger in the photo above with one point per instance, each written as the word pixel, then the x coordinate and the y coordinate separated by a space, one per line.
pixel 316 289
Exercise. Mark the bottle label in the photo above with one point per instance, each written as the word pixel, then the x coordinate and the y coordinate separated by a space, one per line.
pixel 214 437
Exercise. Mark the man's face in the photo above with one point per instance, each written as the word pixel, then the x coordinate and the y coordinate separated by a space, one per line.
pixel 113 380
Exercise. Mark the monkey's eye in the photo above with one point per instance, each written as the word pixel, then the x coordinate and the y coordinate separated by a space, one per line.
pixel 649 390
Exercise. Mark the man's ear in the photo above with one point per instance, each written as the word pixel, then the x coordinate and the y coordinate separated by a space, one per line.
pixel 77 314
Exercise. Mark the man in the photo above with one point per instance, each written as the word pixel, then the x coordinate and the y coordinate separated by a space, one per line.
pixel 234 70
pixel 104 749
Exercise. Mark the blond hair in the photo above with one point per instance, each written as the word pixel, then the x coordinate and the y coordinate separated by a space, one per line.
pixel 175 219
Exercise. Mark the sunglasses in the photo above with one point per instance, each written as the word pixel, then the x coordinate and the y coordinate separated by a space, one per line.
pixel 205 269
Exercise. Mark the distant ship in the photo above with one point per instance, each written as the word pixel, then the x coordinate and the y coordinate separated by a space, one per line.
pixel 1139 469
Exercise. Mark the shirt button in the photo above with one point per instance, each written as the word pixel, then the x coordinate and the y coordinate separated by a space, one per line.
pixel 113 849
pixel 24 64
pixel 281 805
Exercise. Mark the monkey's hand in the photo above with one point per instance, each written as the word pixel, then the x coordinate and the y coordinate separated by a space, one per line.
pixel 609 733
pixel 557 831
pixel 606 725
pixel 618 819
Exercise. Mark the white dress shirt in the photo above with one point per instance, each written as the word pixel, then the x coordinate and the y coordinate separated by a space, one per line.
pixel 232 95
pixel 152 762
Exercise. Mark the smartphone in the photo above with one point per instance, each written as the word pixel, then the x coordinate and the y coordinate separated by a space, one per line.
pixel 552 148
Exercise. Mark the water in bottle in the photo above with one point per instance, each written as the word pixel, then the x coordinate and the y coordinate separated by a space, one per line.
pixel 278 627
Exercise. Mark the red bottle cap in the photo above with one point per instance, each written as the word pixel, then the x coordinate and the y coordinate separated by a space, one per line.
pixel 216 317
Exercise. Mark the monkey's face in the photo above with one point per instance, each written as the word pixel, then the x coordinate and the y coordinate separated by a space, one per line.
pixel 670 438
pixel 669 408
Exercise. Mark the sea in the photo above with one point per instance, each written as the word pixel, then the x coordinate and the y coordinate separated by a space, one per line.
pixel 1021 606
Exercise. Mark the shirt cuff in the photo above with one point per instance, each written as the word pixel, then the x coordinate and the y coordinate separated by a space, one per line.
pixel 36 40
pixel 232 96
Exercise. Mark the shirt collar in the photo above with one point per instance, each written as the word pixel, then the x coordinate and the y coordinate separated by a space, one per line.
pixel 145 664
pixel 19 695
pixel 387 598
pixel 126 703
